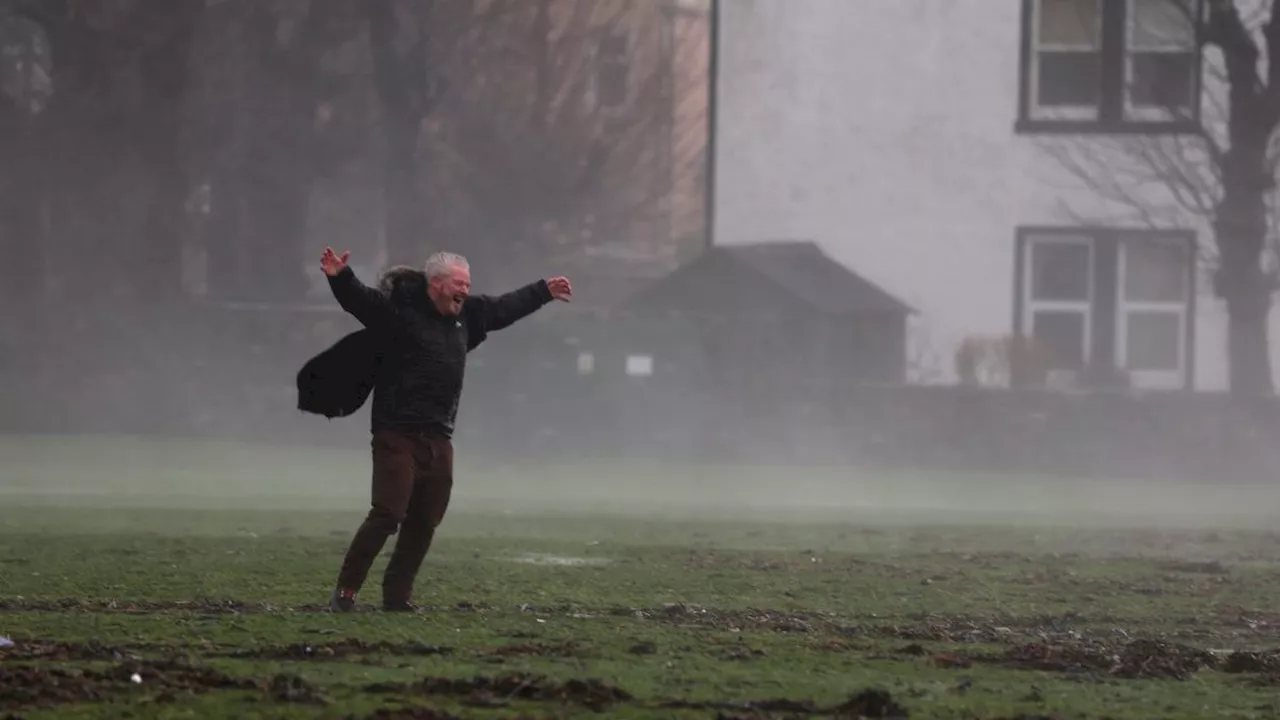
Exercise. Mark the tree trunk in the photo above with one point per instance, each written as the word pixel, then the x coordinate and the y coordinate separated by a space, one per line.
pixel 271 155
pixel 165 78
pixel 1240 229
pixel 1248 352
pixel 21 198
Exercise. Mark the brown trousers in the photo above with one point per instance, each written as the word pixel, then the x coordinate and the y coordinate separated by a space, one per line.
pixel 412 482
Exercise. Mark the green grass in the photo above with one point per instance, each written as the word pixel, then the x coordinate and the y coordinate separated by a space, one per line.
pixel 974 615
pixel 761 611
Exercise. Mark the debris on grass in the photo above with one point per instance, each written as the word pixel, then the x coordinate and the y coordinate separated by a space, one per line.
pixel 1267 661
pixel 741 653
pixel 565 649
pixel 874 703
pixel 175 675
pixel 1137 659
pixel 948 660
pixel 688 615
pixel 338 650
pixel 1211 567
pixel 293 689
pixel 96 651
pixel 86 651
pixel 833 646
pixel 157 607
pixel 35 687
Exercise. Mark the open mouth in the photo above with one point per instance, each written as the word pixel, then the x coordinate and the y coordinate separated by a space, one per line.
pixel 458 299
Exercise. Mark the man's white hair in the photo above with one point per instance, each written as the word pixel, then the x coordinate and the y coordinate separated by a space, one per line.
pixel 443 263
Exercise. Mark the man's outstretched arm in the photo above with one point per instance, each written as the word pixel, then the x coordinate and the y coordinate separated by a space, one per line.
pixel 487 313
pixel 369 306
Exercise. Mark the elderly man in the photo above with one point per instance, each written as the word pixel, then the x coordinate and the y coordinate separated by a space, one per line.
pixel 419 327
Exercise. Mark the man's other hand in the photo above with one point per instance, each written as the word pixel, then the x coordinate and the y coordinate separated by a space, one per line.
pixel 560 288
pixel 331 264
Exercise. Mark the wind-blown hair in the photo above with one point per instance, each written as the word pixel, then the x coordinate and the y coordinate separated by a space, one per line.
pixel 442 263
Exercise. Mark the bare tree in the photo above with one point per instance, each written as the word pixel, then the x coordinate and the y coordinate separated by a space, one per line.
pixel 272 111
pixel 1223 175
pixel 517 130
pixel 25 84
pixel 100 85
pixel 401 37
pixel 544 130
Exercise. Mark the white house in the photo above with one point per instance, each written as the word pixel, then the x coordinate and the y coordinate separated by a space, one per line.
pixel 885 131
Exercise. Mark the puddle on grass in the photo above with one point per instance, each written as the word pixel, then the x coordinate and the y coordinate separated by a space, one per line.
pixel 557 560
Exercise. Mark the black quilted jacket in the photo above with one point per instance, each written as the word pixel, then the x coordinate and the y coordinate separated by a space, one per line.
pixel 410 356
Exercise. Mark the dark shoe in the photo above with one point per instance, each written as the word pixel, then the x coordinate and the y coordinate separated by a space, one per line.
pixel 403 606
pixel 342 600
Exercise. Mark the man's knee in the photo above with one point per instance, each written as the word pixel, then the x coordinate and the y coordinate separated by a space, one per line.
pixel 435 518
pixel 383 521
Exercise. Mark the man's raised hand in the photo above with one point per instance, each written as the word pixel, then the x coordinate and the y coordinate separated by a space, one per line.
pixel 560 288
pixel 331 264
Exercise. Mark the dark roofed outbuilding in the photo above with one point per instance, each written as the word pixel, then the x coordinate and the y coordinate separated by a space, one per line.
pixel 776 309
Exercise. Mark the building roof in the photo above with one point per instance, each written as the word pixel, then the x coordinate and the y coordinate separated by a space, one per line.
pixel 802 269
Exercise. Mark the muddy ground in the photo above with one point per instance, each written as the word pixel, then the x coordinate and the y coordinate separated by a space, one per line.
pixel 48 674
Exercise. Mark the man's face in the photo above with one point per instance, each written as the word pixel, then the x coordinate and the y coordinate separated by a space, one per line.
pixel 449 291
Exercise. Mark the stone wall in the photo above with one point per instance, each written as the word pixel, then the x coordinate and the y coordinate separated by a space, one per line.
pixel 1198 437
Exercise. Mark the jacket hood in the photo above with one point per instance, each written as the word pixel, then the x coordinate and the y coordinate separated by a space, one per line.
pixel 403 283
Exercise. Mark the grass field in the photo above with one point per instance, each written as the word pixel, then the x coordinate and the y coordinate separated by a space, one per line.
pixel 177 586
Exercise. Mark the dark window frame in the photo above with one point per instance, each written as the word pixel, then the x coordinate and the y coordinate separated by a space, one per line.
pixel 1113 115
pixel 1105 307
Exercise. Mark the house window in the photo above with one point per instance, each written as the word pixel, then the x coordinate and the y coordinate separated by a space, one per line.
pixel 1109 299
pixel 1058 286
pixel 1066 60
pixel 1154 289
pixel 1110 66
pixel 612 71
pixel 1161 60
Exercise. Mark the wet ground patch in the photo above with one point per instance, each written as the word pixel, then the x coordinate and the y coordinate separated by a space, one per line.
pixel 874 703
pixel 500 691
pixel 553 560
pixel 420 713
